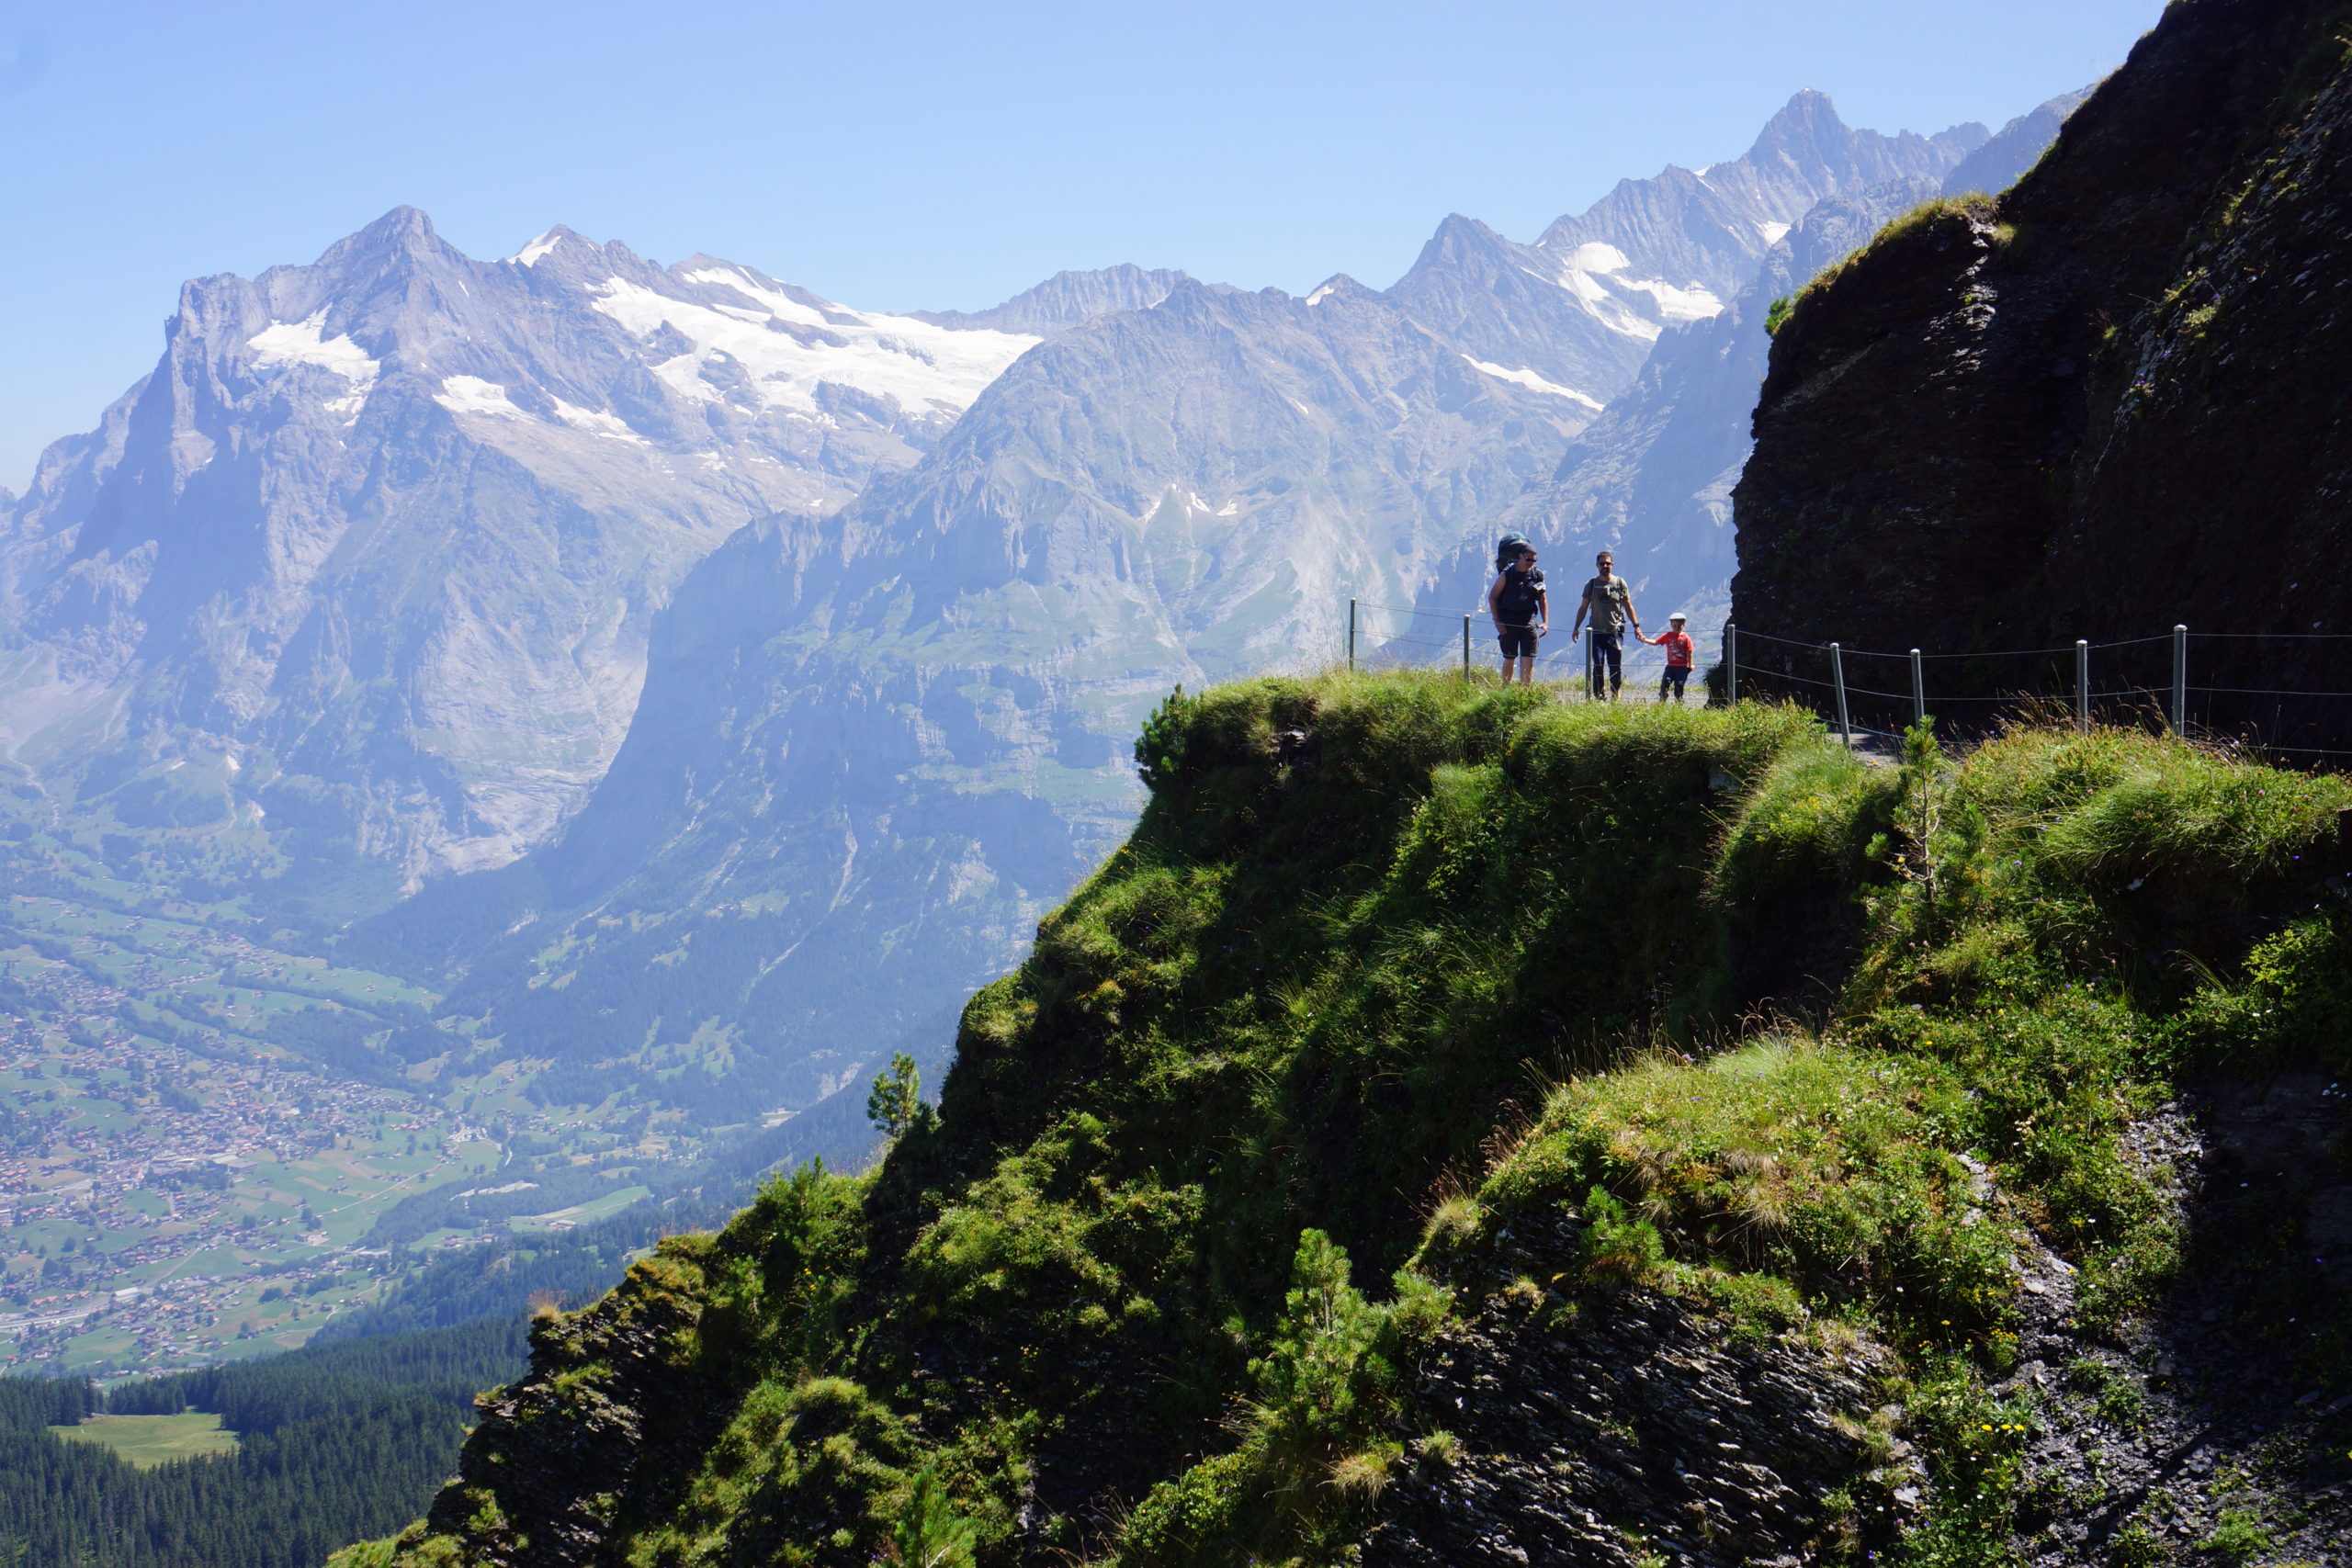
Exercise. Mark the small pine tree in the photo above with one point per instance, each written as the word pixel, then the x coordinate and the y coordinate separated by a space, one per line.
pixel 896 1103
pixel 1160 748
pixel 929 1534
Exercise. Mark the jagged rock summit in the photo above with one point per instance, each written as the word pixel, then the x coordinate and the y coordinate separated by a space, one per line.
pixel 1582 306
pixel 1067 299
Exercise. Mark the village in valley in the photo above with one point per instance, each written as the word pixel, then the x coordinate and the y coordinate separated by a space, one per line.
pixel 183 1179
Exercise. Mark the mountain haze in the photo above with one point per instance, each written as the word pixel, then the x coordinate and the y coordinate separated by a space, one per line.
pixel 874 748
pixel 877 746
pixel 1065 299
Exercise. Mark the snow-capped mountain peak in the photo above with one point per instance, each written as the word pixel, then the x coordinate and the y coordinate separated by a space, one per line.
pixel 403 503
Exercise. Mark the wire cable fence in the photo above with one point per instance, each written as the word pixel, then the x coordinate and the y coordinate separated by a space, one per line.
pixel 1423 648
pixel 2142 681
pixel 2139 682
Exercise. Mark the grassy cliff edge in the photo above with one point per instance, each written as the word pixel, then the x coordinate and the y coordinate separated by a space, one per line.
pixel 1751 1126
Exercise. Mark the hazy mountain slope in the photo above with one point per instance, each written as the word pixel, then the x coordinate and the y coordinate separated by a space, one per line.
pixel 1710 228
pixel 1583 306
pixel 375 549
pixel 1065 299
pixel 2014 149
pixel 873 749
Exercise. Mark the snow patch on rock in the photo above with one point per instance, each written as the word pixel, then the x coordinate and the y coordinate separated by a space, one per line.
pixel 284 343
pixel 472 394
pixel 1533 383
pixel 597 422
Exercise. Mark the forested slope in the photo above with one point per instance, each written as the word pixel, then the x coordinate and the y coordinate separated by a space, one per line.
pixel 1461 1126
pixel 334 1443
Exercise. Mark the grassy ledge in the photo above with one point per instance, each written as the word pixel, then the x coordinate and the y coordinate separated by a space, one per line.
pixel 1396 973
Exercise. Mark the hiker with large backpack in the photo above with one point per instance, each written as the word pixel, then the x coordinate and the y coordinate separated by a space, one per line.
pixel 1520 605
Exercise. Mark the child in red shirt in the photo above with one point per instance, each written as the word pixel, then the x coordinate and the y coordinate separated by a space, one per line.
pixel 1677 643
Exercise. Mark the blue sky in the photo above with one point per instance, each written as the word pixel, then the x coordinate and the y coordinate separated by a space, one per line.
pixel 898 155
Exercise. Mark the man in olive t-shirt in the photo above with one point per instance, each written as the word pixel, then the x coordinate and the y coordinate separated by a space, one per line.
pixel 1611 605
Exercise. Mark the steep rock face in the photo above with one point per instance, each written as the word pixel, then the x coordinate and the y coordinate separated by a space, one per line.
pixel 1642 1431
pixel 2108 402
pixel 388 532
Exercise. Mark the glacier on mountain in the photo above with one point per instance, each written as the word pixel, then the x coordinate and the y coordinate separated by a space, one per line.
pixel 781 352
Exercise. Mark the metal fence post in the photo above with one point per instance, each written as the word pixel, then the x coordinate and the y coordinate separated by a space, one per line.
pixel 2083 684
pixel 1465 648
pixel 1352 636
pixel 1918 690
pixel 1731 664
pixel 2180 679
pixel 1837 675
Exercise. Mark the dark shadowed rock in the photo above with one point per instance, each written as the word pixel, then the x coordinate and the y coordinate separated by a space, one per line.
pixel 2109 402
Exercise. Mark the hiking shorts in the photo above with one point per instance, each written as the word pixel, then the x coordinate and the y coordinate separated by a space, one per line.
pixel 1519 642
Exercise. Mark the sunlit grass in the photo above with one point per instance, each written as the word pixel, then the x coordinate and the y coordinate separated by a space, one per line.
pixel 151 1441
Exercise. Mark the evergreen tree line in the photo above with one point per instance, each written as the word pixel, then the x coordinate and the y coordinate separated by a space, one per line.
pixel 337 1443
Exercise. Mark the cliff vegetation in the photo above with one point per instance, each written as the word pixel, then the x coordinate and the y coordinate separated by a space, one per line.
pixel 1461 1126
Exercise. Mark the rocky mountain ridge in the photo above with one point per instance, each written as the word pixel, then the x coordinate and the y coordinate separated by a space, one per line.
pixel 1067 299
